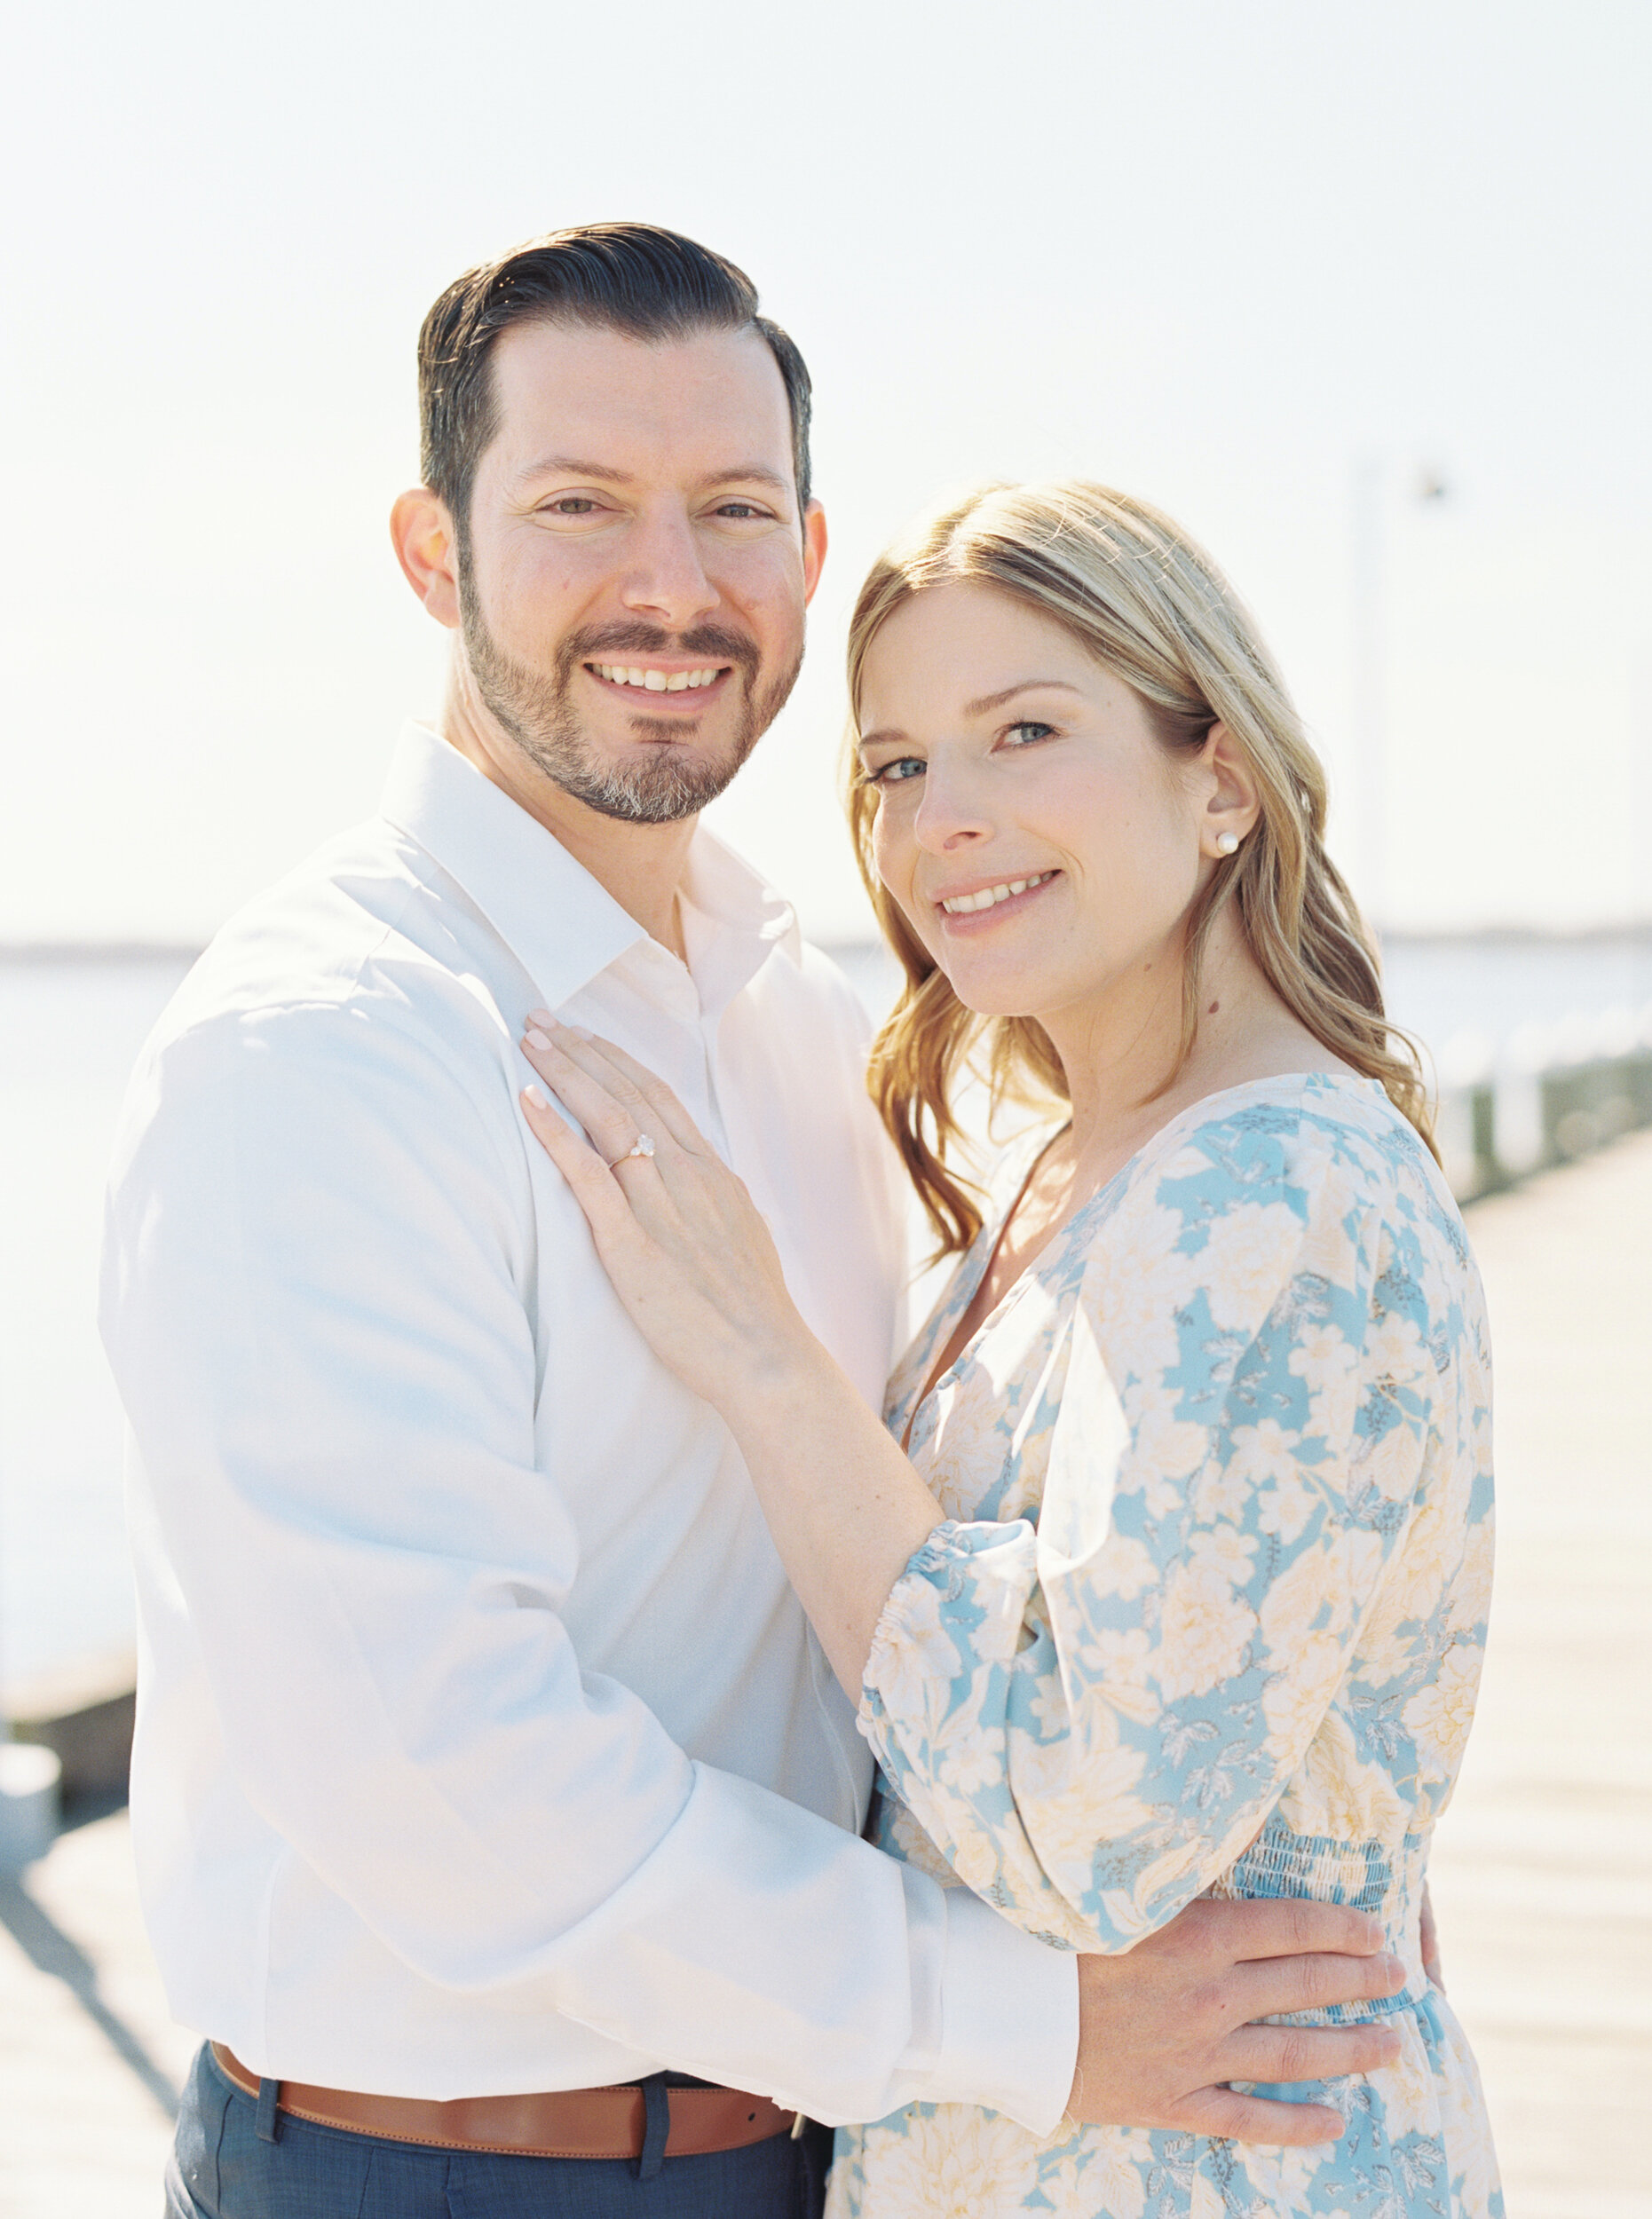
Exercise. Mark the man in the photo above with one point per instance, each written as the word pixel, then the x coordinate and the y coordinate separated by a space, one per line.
pixel 495 1815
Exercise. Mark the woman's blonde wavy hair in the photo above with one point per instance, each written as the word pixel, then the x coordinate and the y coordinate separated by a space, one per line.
pixel 1151 606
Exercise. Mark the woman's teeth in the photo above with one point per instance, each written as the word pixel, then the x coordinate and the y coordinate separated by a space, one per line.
pixel 989 895
pixel 654 681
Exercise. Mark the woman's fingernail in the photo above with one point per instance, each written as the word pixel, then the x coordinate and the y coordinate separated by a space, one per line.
pixel 536 1038
pixel 540 1017
pixel 533 1094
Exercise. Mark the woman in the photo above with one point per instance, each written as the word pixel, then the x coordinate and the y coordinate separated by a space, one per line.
pixel 1170 1572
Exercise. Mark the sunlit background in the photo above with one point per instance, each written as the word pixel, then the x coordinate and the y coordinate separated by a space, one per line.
pixel 1226 256
pixel 1357 291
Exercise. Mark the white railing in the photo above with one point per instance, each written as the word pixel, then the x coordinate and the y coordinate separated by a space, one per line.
pixel 1544 1095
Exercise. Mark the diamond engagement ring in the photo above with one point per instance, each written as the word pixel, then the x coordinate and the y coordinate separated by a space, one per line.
pixel 643 1145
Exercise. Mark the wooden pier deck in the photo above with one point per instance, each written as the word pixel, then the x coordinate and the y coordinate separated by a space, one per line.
pixel 1543 1875
pixel 1543 1866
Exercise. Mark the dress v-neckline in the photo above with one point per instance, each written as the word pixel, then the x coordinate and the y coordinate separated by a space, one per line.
pixel 978 1262
pixel 983 1253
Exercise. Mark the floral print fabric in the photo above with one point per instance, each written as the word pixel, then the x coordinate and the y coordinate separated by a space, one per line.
pixel 1207 1615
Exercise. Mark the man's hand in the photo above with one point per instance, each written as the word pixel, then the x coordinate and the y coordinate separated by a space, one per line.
pixel 1431 1942
pixel 1164 2027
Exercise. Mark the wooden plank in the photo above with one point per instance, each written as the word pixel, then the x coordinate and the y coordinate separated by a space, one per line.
pixel 1543 1866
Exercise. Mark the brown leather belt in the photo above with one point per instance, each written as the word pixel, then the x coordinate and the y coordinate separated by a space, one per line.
pixel 576 2122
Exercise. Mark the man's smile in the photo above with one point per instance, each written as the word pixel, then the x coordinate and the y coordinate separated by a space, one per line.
pixel 701 680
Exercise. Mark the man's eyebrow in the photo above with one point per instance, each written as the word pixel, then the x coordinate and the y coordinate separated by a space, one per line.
pixel 1022 685
pixel 572 466
pixel 576 466
pixel 750 474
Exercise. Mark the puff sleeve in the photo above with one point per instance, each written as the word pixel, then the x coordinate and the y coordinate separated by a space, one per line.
pixel 1092 1714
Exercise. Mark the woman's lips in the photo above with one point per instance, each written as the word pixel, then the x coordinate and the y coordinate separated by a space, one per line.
pixel 1006 902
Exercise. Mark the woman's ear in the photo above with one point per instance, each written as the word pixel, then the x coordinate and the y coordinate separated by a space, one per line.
pixel 1232 801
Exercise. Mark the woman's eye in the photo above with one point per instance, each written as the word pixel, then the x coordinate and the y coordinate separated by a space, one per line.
pixel 896 773
pixel 1023 735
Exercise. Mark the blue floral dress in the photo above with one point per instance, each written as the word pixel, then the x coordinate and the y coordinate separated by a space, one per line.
pixel 1208 1615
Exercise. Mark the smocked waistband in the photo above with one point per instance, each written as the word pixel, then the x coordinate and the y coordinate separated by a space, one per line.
pixel 1381 1878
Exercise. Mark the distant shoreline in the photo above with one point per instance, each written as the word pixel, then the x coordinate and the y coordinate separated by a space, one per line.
pixel 99 951
pixel 1505 935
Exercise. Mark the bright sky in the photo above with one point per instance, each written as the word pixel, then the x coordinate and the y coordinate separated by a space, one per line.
pixel 1214 251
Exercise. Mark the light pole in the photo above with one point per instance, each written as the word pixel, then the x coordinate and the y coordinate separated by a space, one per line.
pixel 1369 722
pixel 1368 513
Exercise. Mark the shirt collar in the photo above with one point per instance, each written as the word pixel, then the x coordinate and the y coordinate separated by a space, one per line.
pixel 732 922
pixel 563 926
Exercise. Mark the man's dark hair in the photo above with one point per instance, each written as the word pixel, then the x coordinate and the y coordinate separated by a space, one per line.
pixel 633 277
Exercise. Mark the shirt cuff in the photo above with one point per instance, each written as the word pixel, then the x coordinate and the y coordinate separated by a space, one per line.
pixel 1009 2019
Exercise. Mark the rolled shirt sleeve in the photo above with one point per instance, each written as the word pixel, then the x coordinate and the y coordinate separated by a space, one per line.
pixel 317 1305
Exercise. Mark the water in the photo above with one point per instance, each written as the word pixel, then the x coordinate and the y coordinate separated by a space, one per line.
pixel 70 1028
pixel 1458 997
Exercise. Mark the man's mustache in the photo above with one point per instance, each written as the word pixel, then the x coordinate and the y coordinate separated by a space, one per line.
pixel 606 642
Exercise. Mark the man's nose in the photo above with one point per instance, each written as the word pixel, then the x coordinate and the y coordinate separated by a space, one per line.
pixel 664 575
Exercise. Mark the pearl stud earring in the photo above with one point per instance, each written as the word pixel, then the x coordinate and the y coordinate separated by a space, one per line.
pixel 1227 843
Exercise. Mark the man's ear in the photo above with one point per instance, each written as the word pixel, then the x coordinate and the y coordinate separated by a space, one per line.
pixel 814 548
pixel 422 532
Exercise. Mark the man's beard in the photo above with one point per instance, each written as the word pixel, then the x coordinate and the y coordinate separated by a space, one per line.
pixel 659 786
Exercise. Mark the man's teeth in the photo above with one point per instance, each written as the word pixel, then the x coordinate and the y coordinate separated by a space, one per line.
pixel 654 681
pixel 989 895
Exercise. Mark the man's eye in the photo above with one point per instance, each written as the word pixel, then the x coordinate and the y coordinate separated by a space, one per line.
pixel 572 505
pixel 1023 734
pixel 742 511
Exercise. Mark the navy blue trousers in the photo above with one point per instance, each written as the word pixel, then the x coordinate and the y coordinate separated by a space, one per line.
pixel 223 2167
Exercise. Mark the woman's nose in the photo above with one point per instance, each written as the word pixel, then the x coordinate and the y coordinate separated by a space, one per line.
pixel 949 815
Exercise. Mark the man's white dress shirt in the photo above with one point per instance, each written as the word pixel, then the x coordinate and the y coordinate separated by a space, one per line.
pixel 482 1745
